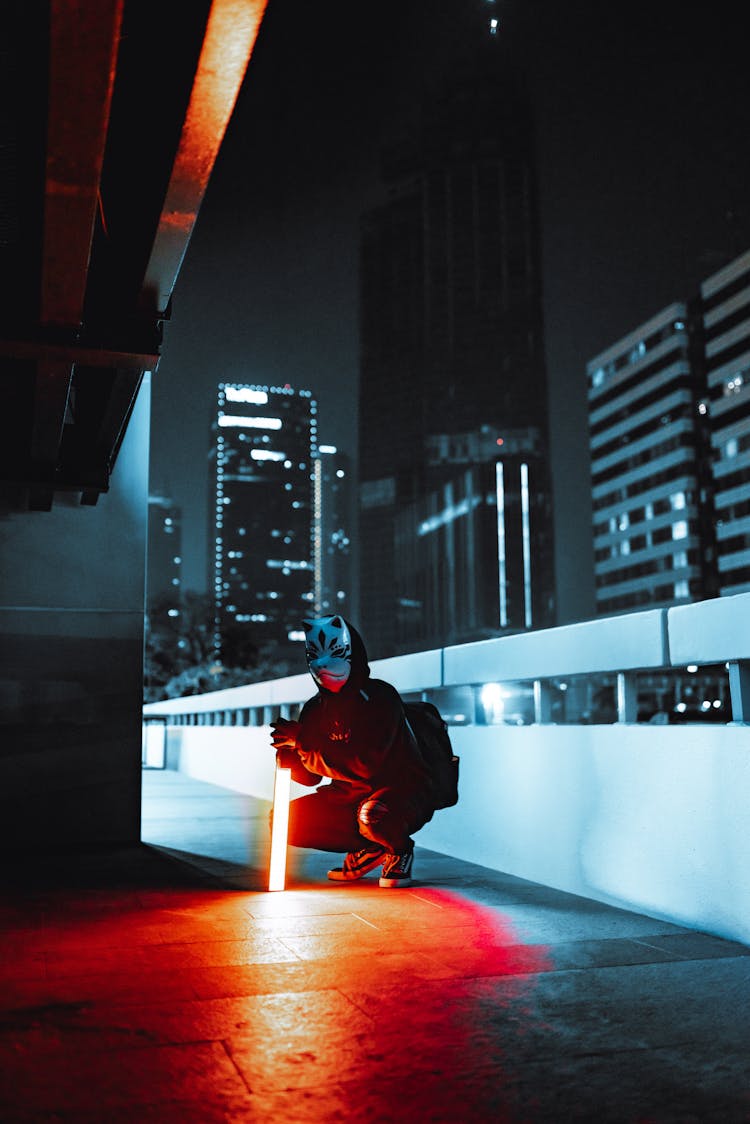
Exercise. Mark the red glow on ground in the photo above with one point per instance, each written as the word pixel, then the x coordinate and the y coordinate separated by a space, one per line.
pixel 319 1004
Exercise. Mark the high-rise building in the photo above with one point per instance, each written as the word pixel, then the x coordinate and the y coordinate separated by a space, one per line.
pixel 726 318
pixel 164 568
pixel 265 446
pixel 468 570
pixel 650 466
pixel 669 416
pixel 333 555
pixel 451 341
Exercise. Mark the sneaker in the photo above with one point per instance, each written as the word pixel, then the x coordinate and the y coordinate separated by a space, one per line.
pixel 357 863
pixel 397 870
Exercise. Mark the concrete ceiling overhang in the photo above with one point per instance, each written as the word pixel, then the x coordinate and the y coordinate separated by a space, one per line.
pixel 115 111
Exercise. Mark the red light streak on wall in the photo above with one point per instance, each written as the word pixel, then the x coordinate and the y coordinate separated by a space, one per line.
pixel 81 79
pixel 230 36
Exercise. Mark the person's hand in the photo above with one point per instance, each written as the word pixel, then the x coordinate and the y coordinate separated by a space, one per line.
pixel 285 734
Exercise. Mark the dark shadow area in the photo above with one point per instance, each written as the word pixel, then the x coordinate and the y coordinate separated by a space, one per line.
pixel 136 866
pixel 213 871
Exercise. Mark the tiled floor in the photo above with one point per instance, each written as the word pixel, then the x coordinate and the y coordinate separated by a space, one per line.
pixel 166 985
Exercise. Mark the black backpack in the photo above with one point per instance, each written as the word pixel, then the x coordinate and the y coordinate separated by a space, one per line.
pixel 431 732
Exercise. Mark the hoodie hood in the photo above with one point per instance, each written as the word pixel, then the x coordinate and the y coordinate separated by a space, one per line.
pixel 360 672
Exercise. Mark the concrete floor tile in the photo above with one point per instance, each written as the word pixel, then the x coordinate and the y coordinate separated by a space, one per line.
pixel 130 1077
pixel 617 951
pixel 21 963
pixel 347 924
pixel 126 986
pixel 256 1023
pixel 220 1110
pixel 356 970
pixel 166 957
pixel 542 924
pixel 648 1006
pixel 695 946
pixel 421 1097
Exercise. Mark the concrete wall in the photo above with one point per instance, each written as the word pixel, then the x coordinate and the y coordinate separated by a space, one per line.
pixel 72 586
pixel 655 819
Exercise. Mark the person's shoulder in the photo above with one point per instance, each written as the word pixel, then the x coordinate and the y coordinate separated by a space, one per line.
pixel 378 690
pixel 310 706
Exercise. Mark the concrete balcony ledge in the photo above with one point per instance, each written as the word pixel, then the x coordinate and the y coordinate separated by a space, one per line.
pixel 415 672
pixel 275 692
pixel 714 631
pixel 625 643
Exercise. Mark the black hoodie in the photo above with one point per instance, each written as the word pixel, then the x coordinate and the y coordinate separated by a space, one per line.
pixel 358 736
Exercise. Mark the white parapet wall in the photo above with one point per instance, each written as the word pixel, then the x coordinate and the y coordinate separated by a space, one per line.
pixel 655 819
pixel 240 758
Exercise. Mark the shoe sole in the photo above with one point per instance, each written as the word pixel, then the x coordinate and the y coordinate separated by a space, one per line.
pixel 394 883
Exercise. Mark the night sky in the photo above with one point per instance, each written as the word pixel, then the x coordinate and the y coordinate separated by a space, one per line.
pixel 643 148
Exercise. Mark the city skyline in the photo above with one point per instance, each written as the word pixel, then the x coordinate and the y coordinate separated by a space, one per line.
pixel 640 129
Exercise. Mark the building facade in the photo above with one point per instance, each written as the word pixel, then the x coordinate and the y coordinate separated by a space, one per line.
pixel 650 466
pixel 332 523
pixel 464 562
pixel 263 563
pixel 725 301
pixel 164 565
pixel 451 340
pixel 669 420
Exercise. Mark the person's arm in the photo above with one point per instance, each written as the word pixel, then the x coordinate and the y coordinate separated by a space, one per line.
pixel 285 738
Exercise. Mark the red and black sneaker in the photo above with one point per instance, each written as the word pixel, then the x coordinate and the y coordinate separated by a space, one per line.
pixel 357 863
pixel 397 870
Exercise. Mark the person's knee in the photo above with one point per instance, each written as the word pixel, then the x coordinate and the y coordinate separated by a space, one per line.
pixel 370 813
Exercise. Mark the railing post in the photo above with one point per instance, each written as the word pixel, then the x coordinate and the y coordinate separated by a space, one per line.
pixel 542 702
pixel 739 690
pixel 627 697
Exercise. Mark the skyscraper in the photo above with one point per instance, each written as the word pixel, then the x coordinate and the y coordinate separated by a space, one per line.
pixel 463 562
pixel 726 318
pixel 263 530
pixel 669 419
pixel 451 342
pixel 650 465
pixel 333 554
pixel 164 568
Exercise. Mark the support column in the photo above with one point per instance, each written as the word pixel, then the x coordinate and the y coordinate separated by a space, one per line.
pixel 627 697
pixel 739 690
pixel 542 702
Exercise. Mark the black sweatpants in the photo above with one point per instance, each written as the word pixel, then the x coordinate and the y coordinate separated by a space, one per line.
pixel 329 820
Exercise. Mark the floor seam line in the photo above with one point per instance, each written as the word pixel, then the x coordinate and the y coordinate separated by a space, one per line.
pixel 225 1046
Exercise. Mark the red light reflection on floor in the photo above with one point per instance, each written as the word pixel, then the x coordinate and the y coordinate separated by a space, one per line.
pixel 440 1018
pixel 448 1037
pixel 319 1004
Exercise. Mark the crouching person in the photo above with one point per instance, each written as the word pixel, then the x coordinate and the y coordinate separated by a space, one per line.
pixel 354 732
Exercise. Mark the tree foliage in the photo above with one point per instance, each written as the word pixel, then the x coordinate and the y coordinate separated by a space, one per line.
pixel 180 654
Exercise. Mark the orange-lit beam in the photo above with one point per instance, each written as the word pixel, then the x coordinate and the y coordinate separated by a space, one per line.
pixel 277 867
pixel 231 31
pixel 83 54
